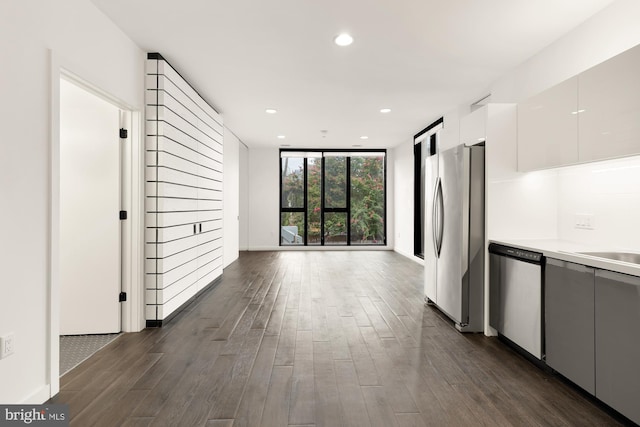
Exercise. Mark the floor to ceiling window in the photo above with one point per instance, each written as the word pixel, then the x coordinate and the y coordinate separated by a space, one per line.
pixel 332 197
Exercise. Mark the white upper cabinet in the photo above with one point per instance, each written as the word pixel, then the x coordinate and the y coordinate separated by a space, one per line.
pixel 473 127
pixel 548 128
pixel 592 116
pixel 449 137
pixel 609 105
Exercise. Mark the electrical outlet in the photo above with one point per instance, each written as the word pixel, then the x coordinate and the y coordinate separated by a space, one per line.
pixel 584 221
pixel 7 347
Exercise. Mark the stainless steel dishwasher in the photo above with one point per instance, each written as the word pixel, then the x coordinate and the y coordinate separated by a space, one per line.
pixel 515 296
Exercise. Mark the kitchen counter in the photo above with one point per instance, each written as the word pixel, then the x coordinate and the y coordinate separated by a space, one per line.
pixel 569 251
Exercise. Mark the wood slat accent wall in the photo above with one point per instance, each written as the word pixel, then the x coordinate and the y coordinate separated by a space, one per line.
pixel 184 149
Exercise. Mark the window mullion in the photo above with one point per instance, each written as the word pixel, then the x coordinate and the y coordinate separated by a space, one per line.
pixel 305 201
pixel 322 207
pixel 348 201
pixel 384 201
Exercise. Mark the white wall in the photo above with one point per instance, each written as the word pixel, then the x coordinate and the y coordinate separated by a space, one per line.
pixel 264 188
pixel 610 191
pixel 92 47
pixel 527 205
pixel 231 196
pixel 244 198
pixel 519 205
pixel 606 34
pixel 403 203
pixel 391 199
pixel 544 204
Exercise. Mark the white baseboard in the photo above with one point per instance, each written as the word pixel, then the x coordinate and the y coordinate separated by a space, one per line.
pixel 490 332
pixel 39 397
pixel 320 248
pixel 412 257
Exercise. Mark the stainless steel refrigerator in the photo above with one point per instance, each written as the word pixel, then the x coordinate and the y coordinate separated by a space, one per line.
pixel 454 235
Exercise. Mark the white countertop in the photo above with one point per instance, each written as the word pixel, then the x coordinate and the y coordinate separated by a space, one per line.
pixel 568 251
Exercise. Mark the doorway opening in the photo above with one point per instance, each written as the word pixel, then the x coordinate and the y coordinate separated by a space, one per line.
pixel 75 349
pixel 424 146
pixel 129 232
pixel 130 189
pixel 90 239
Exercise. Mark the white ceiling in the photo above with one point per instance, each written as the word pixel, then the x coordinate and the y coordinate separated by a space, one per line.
pixel 421 58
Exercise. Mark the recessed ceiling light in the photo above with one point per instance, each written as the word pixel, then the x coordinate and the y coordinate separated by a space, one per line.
pixel 281 137
pixel 385 110
pixel 357 145
pixel 285 145
pixel 270 111
pixel 364 137
pixel 343 39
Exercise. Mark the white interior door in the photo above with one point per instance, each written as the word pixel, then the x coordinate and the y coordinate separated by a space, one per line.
pixel 89 204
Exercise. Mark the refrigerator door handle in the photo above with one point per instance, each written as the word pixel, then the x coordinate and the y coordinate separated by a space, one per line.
pixel 435 226
pixel 440 200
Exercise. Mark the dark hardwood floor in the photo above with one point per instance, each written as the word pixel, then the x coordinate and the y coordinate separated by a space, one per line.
pixel 317 339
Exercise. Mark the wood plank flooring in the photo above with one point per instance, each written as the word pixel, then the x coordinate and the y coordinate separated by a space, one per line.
pixel 317 339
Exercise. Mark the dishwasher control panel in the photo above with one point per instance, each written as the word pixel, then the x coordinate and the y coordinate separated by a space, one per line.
pixel 521 254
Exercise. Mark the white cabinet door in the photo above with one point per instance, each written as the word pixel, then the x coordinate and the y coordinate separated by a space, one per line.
pixel 617 304
pixel 210 201
pixel 473 127
pixel 609 105
pixel 548 128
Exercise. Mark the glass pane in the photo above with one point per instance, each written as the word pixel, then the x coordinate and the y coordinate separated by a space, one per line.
pixel 367 200
pixel 335 228
pixel 335 181
pixel 292 228
pixel 314 192
pixel 292 172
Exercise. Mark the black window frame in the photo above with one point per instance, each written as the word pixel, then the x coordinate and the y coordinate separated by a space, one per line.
pixel 302 209
pixel 323 209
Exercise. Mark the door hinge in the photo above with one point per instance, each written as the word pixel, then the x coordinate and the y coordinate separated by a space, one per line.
pixel 123 214
pixel 122 297
pixel 123 133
